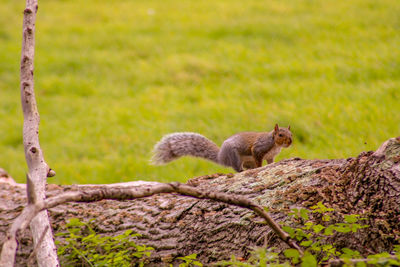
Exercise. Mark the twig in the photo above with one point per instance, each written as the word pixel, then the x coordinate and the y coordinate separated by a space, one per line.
pixel 10 245
pixel 240 202
pixel 31 258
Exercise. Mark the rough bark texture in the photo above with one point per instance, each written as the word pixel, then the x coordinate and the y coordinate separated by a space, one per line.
pixel 368 185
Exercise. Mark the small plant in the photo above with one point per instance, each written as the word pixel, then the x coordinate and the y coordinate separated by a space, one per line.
pixel 189 261
pixel 84 247
pixel 259 257
pixel 312 237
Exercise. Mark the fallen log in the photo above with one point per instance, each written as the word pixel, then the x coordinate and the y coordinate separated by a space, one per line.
pixel 176 226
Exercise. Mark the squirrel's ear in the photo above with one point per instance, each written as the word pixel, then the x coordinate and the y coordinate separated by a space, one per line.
pixel 276 128
pixel 288 127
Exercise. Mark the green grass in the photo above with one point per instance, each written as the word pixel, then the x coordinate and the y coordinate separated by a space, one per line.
pixel 112 77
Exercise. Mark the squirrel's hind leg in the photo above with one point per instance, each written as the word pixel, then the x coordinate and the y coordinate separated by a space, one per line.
pixel 246 165
pixel 229 156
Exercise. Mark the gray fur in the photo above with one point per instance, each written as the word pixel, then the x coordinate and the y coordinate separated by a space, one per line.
pixel 175 145
pixel 230 157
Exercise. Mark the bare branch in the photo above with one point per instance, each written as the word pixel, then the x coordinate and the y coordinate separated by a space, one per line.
pixel 31 258
pixel 123 193
pixel 9 249
pixel 38 169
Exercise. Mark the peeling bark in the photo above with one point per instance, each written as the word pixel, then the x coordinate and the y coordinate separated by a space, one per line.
pixel 368 185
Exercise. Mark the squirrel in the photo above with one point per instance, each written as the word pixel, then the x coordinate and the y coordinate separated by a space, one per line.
pixel 245 150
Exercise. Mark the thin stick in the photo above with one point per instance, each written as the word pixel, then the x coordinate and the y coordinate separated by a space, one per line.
pixel 31 258
pixel 38 169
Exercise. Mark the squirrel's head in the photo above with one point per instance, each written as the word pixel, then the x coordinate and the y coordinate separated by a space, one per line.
pixel 282 136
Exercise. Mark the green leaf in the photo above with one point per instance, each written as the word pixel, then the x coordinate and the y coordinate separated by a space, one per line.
pixel 197 263
pixel 300 235
pixel 74 222
pixel 192 256
pixel 308 260
pixel 304 214
pixel 321 208
pixel 293 254
pixel 326 218
pixel 352 218
pixel 329 230
pixel 348 253
pixel 308 225
pixel 361 264
pixel 342 228
pixel 289 230
pixel 318 228
pixel 306 243
pixel 327 247
pixel 294 212
pixel 316 246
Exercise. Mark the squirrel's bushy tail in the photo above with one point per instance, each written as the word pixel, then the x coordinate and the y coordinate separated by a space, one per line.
pixel 175 145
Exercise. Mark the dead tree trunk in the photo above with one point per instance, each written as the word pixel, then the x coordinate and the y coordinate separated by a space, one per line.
pixel 38 169
pixel 175 226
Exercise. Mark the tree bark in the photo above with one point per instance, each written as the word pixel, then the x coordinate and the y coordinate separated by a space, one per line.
pixel 38 169
pixel 175 226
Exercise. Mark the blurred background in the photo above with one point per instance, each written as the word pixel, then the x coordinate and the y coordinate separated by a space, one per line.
pixel 113 77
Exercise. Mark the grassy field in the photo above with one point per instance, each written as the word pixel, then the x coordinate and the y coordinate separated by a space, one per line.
pixel 112 77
